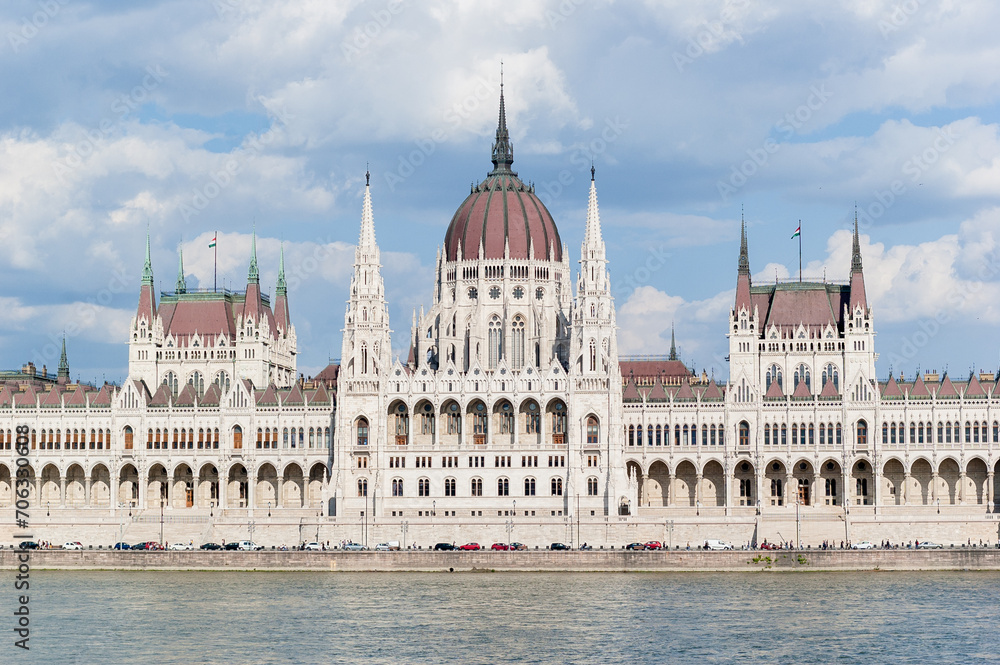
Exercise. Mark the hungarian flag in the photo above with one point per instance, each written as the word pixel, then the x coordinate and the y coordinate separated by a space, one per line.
pixel 212 244
pixel 797 233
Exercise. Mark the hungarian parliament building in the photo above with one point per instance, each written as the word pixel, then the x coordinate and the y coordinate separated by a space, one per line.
pixel 513 400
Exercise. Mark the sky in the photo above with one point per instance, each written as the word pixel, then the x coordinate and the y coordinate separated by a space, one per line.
pixel 197 117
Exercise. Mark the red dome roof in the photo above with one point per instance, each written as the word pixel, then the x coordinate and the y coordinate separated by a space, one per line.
pixel 502 210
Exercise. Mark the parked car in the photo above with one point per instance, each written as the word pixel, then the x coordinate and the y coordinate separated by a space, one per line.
pixel 471 547
pixel 863 545
pixel 928 545
pixel 445 547
pixel 122 546
pixel 718 545
pixel 28 545
pixel 635 546
pixel 354 547
pixel 654 545
pixel 313 547
pixel 518 547
pixel 500 546
pixel 231 546
pixel 249 546
pixel 558 546
pixel 181 546
pixel 211 546
pixel 73 545
pixel 382 547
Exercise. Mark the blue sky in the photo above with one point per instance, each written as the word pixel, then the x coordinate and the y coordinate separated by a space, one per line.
pixel 119 116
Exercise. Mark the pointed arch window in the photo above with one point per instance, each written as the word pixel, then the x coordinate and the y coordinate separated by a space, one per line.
pixel 517 343
pixel 495 342
pixel 593 356
pixel 773 374
pixel 830 373
pixel 802 376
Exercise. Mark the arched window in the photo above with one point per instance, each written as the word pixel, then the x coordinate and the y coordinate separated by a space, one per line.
pixel 802 376
pixel 862 431
pixel 170 381
pixel 830 373
pixel 773 374
pixel 477 487
pixel 594 431
pixel 517 343
pixel 556 487
pixel 529 487
pixel 222 380
pixel 198 381
pixel 362 432
pixel 503 487
pixel 424 487
pixel 363 487
pixel 364 358
pixel 449 486
pixel 767 435
pixel 397 487
pixel 591 486
pixel 128 437
pixel 744 436
pixel 237 437
pixel 495 342
pixel 593 355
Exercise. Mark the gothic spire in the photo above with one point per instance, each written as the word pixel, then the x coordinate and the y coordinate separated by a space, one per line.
pixel 592 235
pixel 503 151
pixel 253 276
pixel 63 362
pixel 744 268
pixel 181 283
pixel 367 238
pixel 673 343
pixel 281 288
pixel 856 253
pixel 147 268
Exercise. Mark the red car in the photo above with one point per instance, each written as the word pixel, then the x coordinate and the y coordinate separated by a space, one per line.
pixel 500 546
pixel 470 546
pixel 654 545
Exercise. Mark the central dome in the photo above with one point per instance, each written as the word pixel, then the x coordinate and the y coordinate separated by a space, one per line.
pixel 502 211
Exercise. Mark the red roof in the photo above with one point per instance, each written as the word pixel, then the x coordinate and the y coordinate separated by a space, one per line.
pixel 631 393
pixel 813 305
pixel 654 369
pixel 892 388
pixel 774 390
pixel 502 210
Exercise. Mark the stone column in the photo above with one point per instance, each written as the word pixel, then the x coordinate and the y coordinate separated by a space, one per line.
pixel 847 488
pixel 62 491
pixel 194 489
pixel 906 484
pixel 86 491
pixel 170 491
pixel 143 488
pixel 281 484
pixel 960 494
pixel 759 480
pixel 644 498
pixel 989 490
pixel 670 489
pixel 223 481
pixel 934 489
pixel 790 489
pixel 251 488
pixel 817 483
pixel 697 489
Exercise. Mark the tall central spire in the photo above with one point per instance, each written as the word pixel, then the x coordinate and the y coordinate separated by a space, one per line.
pixel 253 276
pixel 503 151
pixel 181 282
pixel 147 268
pixel 744 268
pixel 367 238
pixel 282 287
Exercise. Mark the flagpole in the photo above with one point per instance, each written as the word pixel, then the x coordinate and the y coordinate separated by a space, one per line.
pixel 800 251
pixel 215 263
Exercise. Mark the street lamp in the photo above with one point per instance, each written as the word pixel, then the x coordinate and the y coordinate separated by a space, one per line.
pixel 47 509
pixel 938 501
pixel 211 508
pixel 268 508
pixel 670 531
pixel 697 510
pixel 161 520
pixel 434 508
pixel 405 526
pixel 250 525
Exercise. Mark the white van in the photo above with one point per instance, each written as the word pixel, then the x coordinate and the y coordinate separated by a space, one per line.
pixel 718 545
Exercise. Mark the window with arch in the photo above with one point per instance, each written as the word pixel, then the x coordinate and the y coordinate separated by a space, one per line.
pixel 237 437
pixel 362 432
pixel 557 486
pixel 830 373
pixel 197 379
pixel 477 487
pixel 495 339
pixel 503 487
pixel 773 374
pixel 401 420
pixel 170 381
pixel 592 486
pixel 363 487
pixel 744 433
pixel 593 356
pixel 128 437
pixel 424 487
pixel 594 431
pixel 449 486
pixel 529 487
pixel 222 380
pixel 517 343
pixel 802 376
pixel 397 487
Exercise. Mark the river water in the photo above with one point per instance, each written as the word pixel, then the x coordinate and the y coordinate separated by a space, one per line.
pixel 234 617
